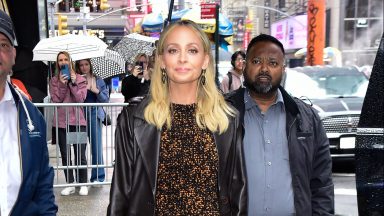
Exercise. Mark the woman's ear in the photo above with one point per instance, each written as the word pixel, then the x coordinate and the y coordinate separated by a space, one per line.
pixel 206 62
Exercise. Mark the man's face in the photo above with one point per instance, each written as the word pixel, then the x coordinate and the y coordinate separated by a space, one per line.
pixel 264 67
pixel 7 56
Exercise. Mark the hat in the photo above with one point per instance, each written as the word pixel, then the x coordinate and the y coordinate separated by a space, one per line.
pixel 6 27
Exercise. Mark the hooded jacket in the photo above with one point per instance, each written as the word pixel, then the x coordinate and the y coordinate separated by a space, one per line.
pixel 134 179
pixel 36 190
pixel 309 157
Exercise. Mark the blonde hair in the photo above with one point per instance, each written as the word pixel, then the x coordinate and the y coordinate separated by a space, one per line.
pixel 212 111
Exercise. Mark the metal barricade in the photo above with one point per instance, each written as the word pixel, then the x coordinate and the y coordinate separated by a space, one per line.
pixel 79 140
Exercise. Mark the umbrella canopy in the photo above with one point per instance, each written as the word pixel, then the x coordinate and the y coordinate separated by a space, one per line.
pixel 152 22
pixel 133 44
pixel 112 64
pixel 78 46
pixel 209 25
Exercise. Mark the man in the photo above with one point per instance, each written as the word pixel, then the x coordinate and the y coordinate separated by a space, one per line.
pixel 234 78
pixel 26 183
pixel 286 149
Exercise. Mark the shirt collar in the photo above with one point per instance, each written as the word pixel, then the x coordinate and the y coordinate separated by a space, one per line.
pixel 7 95
pixel 250 103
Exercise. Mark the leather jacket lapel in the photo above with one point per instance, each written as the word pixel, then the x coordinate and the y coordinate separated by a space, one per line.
pixel 148 139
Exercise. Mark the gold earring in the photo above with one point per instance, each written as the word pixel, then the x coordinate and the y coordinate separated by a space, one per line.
pixel 163 75
pixel 203 76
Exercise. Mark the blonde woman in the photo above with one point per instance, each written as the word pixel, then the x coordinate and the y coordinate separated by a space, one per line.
pixel 179 151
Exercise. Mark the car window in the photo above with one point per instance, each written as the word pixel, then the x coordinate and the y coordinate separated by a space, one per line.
pixel 315 85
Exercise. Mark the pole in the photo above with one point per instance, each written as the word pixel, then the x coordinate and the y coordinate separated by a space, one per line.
pixel 170 9
pixel 217 45
pixel 84 18
pixel 52 19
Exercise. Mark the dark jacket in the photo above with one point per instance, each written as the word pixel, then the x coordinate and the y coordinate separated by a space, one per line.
pixel 132 86
pixel 134 179
pixel 309 156
pixel 36 190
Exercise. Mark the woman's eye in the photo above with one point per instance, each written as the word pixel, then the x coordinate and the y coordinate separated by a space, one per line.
pixel 193 51
pixel 172 51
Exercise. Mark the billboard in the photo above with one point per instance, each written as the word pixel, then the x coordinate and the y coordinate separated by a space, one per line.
pixel 291 32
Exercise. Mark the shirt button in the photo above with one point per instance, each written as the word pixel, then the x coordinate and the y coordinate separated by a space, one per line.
pixel 268 141
pixel 267 209
pixel 268 186
pixel 269 163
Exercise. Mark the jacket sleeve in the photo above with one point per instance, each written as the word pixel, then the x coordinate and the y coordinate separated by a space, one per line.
pixel 44 197
pixel 239 193
pixel 57 90
pixel 103 96
pixel 79 89
pixel 122 174
pixel 322 187
pixel 130 87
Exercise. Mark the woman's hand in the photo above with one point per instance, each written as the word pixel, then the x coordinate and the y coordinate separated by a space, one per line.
pixel 73 76
pixel 63 79
pixel 136 71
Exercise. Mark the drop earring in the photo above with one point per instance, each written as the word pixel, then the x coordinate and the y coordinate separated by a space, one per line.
pixel 163 75
pixel 203 76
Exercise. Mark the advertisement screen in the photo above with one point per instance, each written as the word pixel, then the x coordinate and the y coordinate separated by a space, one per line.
pixel 291 32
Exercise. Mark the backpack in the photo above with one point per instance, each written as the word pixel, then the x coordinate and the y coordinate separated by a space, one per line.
pixel 229 74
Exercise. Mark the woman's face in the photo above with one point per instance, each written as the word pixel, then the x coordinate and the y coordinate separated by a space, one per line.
pixel 85 67
pixel 62 60
pixel 183 56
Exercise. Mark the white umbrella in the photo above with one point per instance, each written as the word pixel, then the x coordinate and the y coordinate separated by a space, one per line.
pixel 78 46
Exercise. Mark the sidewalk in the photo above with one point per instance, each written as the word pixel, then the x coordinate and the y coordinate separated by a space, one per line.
pixel 95 204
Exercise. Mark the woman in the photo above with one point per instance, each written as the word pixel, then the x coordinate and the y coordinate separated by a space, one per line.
pixel 137 83
pixel 97 92
pixel 69 87
pixel 178 152
pixel 234 78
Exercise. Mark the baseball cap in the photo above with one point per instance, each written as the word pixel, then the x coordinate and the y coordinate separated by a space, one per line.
pixel 6 27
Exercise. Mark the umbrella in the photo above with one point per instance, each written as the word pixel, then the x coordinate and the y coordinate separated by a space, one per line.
pixel 110 65
pixel 78 46
pixel 224 55
pixel 133 44
pixel 208 25
pixel 152 22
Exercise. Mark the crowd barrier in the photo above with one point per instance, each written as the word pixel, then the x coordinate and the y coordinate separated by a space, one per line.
pixel 79 137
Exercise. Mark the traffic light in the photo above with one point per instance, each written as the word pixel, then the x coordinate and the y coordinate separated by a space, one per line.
pixel 104 5
pixel 63 25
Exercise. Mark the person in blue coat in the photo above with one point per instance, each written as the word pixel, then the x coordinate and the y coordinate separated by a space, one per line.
pixel 97 92
pixel 26 183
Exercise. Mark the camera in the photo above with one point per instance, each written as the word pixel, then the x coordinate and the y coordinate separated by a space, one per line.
pixel 141 66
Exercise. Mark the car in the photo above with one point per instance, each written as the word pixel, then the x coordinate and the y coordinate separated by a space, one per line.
pixel 337 93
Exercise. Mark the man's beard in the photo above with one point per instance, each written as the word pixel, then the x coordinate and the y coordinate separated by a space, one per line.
pixel 260 87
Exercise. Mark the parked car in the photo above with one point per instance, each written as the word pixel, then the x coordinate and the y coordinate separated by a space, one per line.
pixel 337 93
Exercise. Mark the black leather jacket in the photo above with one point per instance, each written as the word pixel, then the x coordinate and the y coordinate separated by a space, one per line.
pixel 134 180
pixel 309 157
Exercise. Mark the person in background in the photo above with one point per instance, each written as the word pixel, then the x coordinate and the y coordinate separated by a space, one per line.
pixel 289 166
pixel 179 151
pixel 137 83
pixel 234 78
pixel 26 182
pixel 70 88
pixel 97 92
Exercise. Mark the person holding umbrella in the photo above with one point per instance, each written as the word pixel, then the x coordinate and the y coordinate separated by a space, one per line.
pixel 179 151
pixel 97 92
pixel 69 87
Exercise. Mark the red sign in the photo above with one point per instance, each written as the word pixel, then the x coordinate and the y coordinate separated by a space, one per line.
pixel 208 11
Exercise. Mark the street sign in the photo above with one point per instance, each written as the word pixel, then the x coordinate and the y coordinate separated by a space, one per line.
pixel 208 11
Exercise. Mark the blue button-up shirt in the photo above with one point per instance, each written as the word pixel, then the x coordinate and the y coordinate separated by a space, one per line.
pixel 267 159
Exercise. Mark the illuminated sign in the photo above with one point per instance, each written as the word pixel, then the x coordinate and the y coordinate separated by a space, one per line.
pixel 291 32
